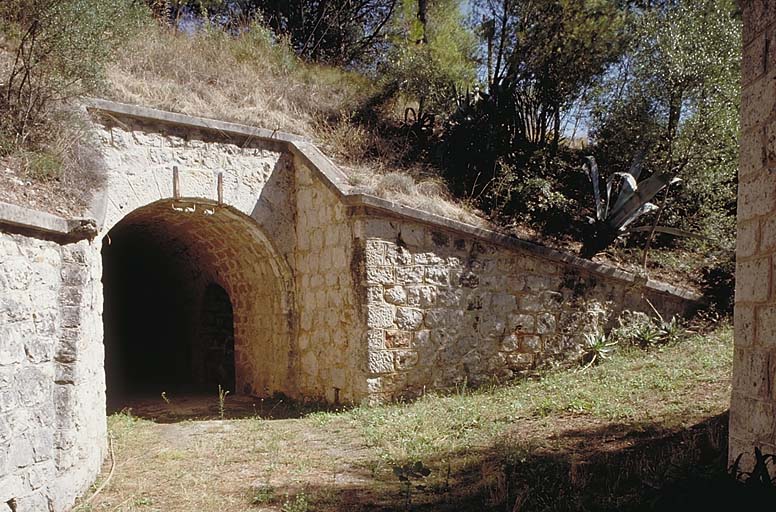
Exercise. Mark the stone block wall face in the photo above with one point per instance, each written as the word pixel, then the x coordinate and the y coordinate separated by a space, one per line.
pixel 445 308
pixel 753 403
pixel 51 380
pixel 139 159
pixel 332 327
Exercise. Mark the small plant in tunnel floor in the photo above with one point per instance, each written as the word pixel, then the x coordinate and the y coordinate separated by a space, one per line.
pixel 221 400
pixel 165 398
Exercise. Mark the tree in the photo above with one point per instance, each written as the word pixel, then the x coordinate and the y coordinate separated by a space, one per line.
pixel 431 54
pixel 675 95
pixel 502 146
pixel 59 50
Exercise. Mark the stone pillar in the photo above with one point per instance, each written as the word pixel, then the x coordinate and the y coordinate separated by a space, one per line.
pixel 753 403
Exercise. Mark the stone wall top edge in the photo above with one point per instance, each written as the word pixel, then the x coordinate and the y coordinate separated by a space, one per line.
pixel 336 180
pixel 388 207
pixel 44 225
pixel 203 123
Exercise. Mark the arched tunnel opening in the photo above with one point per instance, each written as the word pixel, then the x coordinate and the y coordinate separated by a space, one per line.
pixel 194 305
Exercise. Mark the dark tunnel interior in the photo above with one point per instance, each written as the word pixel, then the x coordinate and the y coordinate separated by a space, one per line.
pixel 168 327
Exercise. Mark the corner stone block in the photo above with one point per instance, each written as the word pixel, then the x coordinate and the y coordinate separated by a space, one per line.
pixel 767 235
pixel 379 275
pixel 746 238
pixel 375 339
pixel 766 326
pixel 752 280
pixel 744 322
pixel 756 15
pixel 758 196
pixel 380 316
pixel 751 153
pixel 753 372
pixel 753 63
pixel 757 100
pixel 380 362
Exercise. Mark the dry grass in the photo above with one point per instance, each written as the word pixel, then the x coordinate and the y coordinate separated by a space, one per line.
pixel 570 436
pixel 256 81
pixel 245 79
pixel 429 194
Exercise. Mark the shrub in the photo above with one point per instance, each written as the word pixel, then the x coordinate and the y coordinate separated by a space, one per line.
pixel 60 48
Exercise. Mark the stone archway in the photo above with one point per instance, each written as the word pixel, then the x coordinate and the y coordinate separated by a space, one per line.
pixel 184 279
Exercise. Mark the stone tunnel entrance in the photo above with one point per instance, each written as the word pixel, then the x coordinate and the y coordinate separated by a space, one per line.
pixel 194 298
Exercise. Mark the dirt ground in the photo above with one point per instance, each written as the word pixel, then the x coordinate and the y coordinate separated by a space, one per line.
pixel 178 455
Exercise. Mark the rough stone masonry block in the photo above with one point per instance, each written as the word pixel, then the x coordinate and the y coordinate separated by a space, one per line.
pixel 753 372
pixel 757 14
pixel 408 319
pixel 753 63
pixel 753 280
pixel 766 326
pixel 757 101
pixel 747 238
pixel 744 323
pixel 751 153
pixel 767 235
pixel 380 362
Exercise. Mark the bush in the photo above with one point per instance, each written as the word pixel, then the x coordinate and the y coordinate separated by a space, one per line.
pixel 60 49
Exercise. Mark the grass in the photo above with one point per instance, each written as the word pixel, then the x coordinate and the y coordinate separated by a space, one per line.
pixel 607 436
pixel 670 386
pixel 255 80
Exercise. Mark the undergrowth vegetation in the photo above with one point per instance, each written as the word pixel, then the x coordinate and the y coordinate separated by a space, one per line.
pixel 476 110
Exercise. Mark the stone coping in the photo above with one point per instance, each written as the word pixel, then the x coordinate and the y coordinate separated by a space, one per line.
pixel 19 218
pixel 337 181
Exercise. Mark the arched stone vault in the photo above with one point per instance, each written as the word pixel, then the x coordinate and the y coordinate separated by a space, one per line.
pixel 217 244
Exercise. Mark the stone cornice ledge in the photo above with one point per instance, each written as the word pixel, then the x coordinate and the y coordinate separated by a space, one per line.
pixel 487 235
pixel 337 181
pixel 58 228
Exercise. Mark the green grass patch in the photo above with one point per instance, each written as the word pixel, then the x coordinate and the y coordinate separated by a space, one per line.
pixel 663 386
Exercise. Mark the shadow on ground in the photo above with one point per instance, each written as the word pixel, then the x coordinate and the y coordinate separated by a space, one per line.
pixel 174 408
pixel 605 467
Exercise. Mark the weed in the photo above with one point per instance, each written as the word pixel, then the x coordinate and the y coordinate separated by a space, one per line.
pixel 760 475
pixel 263 495
pixel 407 474
pixel 298 503
pixel 222 393
pixel 42 165
pixel 164 397
pixel 597 349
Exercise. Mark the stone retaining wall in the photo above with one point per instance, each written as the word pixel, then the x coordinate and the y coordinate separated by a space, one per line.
pixel 336 296
pixel 51 381
pixel 446 309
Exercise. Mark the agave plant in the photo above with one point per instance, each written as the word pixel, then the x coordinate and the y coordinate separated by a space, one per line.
pixel 597 348
pixel 615 218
